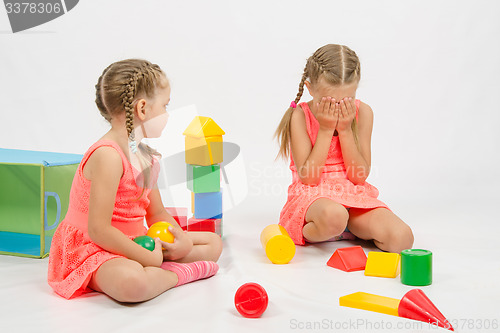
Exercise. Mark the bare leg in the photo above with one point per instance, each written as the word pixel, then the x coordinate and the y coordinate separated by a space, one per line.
pixel 126 280
pixel 388 231
pixel 325 219
pixel 206 246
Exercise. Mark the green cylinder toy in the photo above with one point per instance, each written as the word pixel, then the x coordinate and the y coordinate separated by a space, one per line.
pixel 416 267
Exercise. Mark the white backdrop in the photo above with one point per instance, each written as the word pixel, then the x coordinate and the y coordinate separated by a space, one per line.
pixel 430 72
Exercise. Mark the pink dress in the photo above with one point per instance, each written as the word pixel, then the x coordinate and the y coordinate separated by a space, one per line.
pixel 333 185
pixel 73 256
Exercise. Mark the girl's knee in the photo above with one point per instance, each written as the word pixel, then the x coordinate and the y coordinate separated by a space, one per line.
pixel 215 243
pixel 131 287
pixel 333 219
pixel 406 238
pixel 401 239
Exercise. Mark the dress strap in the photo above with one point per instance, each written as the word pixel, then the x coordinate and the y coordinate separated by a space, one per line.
pixel 312 124
pixel 104 143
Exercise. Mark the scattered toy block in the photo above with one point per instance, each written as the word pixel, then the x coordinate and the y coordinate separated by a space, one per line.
pixel 179 214
pixel 417 306
pixel 416 267
pixel 195 224
pixel 251 300
pixel 203 179
pixel 208 205
pixel 371 302
pixel 203 142
pixel 348 259
pixel 278 245
pixel 382 264
pixel 209 225
pixel 414 305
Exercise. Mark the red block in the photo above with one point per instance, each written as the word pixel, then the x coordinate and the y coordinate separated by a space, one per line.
pixel 348 259
pixel 251 300
pixel 210 225
pixel 417 306
pixel 179 214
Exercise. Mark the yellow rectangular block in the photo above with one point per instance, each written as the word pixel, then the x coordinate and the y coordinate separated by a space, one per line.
pixel 204 150
pixel 371 302
pixel 192 202
pixel 382 264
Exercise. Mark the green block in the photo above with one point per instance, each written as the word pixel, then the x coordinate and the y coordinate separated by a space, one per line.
pixel 34 198
pixel 416 267
pixel 203 179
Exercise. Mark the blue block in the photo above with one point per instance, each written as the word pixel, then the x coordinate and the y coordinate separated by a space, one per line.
pixel 208 205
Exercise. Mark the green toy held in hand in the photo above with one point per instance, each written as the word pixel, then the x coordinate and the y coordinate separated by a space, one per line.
pixel 146 242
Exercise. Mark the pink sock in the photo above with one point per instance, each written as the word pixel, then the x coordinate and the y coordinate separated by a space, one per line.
pixel 189 272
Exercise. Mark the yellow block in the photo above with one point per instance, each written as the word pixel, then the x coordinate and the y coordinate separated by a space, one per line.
pixel 204 150
pixel 202 127
pixel 382 264
pixel 278 245
pixel 370 302
pixel 192 202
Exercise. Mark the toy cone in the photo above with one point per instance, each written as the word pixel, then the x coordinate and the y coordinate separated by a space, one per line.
pixel 417 306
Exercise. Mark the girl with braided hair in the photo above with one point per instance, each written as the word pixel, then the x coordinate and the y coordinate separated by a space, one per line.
pixel 113 190
pixel 328 140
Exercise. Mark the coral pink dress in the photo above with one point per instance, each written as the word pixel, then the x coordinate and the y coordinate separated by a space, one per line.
pixel 73 256
pixel 333 185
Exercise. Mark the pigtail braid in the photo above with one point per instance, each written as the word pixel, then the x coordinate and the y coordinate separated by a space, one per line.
pixel 116 91
pixel 127 101
pixel 283 131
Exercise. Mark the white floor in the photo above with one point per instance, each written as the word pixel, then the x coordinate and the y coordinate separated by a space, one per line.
pixel 303 294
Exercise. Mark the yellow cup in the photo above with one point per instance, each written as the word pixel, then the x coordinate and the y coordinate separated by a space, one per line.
pixel 278 245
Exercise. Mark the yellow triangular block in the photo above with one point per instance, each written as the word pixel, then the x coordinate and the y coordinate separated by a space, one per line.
pixel 382 264
pixel 203 127
pixel 370 302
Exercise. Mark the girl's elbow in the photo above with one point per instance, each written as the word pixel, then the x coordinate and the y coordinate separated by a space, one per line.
pixel 309 180
pixel 95 233
pixel 358 176
pixel 309 176
pixel 359 181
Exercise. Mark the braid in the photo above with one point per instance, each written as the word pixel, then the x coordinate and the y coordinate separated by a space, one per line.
pixel 317 69
pixel 301 87
pixel 127 100
pixel 283 131
pixel 336 65
pixel 116 92
pixel 357 70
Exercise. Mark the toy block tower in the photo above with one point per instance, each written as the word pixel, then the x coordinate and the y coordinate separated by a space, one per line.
pixel 203 138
